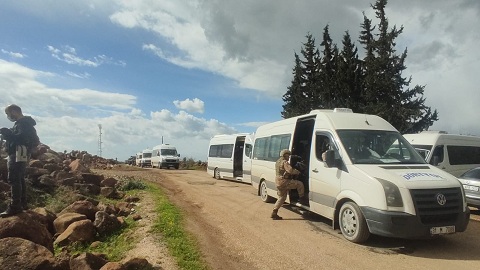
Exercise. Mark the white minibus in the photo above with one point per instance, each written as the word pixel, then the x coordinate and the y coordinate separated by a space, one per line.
pixel 146 160
pixel 362 186
pixel 229 157
pixel 452 153
pixel 165 156
pixel 138 159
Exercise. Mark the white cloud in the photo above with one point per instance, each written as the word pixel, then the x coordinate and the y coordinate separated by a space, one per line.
pixel 67 119
pixel 195 105
pixel 84 75
pixel 14 54
pixel 69 56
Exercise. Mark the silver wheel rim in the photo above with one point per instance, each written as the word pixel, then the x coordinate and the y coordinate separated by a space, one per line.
pixel 349 222
pixel 263 191
pixel 217 174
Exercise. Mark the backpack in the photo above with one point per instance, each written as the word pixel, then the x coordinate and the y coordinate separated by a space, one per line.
pixel 32 142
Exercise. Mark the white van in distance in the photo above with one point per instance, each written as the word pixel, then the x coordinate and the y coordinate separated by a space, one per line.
pixel 362 186
pixel 452 153
pixel 138 159
pixel 229 157
pixel 165 156
pixel 146 160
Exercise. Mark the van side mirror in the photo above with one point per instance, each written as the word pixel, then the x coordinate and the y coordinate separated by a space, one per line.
pixel 178 155
pixel 330 158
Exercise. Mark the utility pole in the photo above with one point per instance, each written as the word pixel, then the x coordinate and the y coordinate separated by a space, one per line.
pixel 100 140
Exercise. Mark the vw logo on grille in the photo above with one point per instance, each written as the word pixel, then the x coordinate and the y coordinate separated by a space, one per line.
pixel 441 199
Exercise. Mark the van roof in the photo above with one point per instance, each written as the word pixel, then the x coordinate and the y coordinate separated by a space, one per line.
pixel 334 119
pixel 429 138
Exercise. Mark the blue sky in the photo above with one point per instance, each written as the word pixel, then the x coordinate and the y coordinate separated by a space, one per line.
pixel 188 70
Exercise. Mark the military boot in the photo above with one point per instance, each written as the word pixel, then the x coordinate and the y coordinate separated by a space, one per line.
pixel 11 211
pixel 275 215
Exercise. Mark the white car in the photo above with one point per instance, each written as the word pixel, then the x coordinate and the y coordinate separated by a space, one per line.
pixel 471 184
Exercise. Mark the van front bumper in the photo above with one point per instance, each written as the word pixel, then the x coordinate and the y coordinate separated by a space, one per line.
pixel 403 225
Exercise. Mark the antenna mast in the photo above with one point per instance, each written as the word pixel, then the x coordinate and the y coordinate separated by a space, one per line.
pixel 100 140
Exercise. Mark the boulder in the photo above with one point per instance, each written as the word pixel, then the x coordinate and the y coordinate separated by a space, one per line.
pixel 87 261
pixel 86 208
pixel 62 222
pixel 26 226
pixel 45 217
pixel 77 166
pixel 81 231
pixel 105 223
pixel 109 182
pixel 18 253
pixel 91 178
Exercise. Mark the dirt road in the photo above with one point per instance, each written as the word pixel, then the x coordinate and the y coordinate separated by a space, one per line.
pixel 235 232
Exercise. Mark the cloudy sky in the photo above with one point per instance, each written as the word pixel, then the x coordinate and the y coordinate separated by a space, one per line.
pixel 187 70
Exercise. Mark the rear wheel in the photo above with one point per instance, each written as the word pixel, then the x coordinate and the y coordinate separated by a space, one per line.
pixel 217 174
pixel 352 223
pixel 264 193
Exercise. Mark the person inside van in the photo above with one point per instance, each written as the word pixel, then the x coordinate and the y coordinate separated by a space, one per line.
pixel 285 182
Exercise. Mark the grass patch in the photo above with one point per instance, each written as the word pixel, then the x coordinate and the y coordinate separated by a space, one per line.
pixel 169 223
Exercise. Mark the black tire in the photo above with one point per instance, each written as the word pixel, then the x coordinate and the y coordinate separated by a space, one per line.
pixel 352 223
pixel 264 193
pixel 216 174
pixel 177 166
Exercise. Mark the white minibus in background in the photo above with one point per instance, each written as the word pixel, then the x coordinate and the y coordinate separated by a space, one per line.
pixel 138 159
pixel 229 157
pixel 363 186
pixel 452 153
pixel 146 160
pixel 165 156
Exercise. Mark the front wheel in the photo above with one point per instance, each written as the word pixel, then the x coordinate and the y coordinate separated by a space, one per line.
pixel 217 174
pixel 352 223
pixel 264 194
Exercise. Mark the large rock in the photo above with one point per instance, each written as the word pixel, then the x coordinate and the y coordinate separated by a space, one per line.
pixel 87 261
pixel 109 182
pixel 26 226
pixel 62 222
pixel 45 217
pixel 77 166
pixel 87 189
pixel 91 178
pixel 17 253
pixel 81 231
pixel 86 208
pixel 106 223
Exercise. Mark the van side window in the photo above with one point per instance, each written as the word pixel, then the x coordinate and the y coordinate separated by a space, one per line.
pixel 248 150
pixel 437 152
pixel 322 144
pixel 269 148
pixel 260 148
pixel 458 155
pixel 222 150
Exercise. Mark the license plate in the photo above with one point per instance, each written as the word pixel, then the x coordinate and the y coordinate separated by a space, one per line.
pixel 442 230
pixel 472 188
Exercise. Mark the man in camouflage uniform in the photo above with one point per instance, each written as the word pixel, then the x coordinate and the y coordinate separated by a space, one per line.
pixel 285 182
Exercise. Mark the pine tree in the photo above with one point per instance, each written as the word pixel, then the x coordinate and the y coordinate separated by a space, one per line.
pixel 302 95
pixel 386 90
pixel 327 73
pixel 349 77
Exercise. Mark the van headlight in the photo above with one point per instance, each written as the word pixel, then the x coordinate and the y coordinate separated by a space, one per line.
pixel 392 193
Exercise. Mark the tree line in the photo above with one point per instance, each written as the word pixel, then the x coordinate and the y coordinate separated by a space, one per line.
pixel 333 78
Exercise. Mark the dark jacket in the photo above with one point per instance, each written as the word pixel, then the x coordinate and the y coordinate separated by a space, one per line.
pixel 23 132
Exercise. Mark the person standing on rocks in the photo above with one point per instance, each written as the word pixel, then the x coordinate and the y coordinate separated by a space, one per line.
pixel 19 138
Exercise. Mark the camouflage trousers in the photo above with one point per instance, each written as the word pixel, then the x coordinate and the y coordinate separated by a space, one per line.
pixel 283 192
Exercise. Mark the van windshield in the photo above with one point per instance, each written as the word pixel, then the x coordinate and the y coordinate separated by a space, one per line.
pixel 169 152
pixel 378 147
pixel 147 155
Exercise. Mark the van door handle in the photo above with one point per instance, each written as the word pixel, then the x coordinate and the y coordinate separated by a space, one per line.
pixel 315 170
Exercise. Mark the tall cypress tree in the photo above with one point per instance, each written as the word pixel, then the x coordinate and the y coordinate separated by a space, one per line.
pixel 386 90
pixel 301 97
pixel 327 72
pixel 349 77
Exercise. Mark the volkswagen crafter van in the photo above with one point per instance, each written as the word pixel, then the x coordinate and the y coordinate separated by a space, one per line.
pixel 362 186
